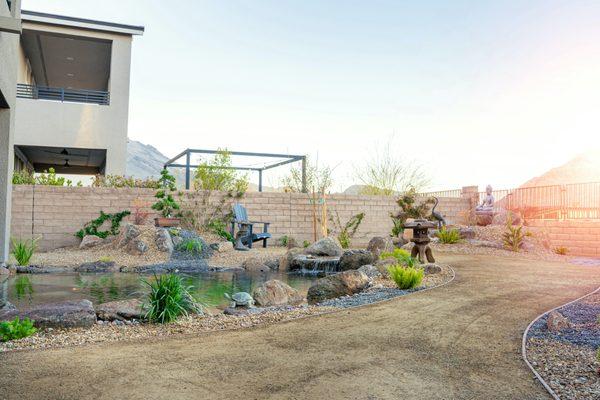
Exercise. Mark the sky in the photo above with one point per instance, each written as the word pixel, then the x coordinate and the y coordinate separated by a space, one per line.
pixel 478 92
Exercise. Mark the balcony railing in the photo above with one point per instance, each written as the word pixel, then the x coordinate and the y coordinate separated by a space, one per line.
pixel 61 94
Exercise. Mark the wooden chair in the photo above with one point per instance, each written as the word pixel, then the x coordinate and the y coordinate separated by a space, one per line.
pixel 240 217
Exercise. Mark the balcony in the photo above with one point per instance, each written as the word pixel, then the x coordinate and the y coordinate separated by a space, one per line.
pixel 35 92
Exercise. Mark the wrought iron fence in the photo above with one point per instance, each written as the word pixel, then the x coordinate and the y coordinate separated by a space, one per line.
pixel 61 94
pixel 443 193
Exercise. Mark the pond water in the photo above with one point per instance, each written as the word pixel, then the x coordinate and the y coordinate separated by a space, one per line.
pixel 27 290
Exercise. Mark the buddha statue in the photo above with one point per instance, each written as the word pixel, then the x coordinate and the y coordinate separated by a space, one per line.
pixel 487 205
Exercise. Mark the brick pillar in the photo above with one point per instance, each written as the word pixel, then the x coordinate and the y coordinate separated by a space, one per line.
pixel 471 193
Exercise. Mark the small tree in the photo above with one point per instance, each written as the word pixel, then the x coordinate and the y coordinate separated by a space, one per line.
pixel 166 204
pixel 217 174
pixel 346 231
pixel 409 208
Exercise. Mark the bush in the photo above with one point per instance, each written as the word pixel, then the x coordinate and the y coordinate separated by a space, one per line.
pixel 448 236
pixel 305 244
pixel 216 174
pixel 166 204
pixel 46 178
pixel 121 181
pixel 513 236
pixel 191 245
pixel 23 177
pixel 105 259
pixel 23 250
pixel 219 227
pixel 561 250
pixel 406 277
pixel 402 256
pixel 409 208
pixel 168 299
pixel 347 231
pixel 91 228
pixel 16 329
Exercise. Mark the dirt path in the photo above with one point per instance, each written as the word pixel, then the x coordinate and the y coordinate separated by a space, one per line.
pixel 461 341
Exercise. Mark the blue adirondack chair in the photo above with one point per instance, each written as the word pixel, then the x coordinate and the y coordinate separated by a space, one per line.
pixel 240 217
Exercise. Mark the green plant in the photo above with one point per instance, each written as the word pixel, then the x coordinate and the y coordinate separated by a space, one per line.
pixel 402 256
pixel 23 250
pixel 219 227
pixel 346 231
pixel 449 236
pixel 168 299
pixel 217 174
pixel 166 204
pixel 397 228
pixel 561 250
pixel 191 245
pixel 513 235
pixel 16 329
pixel 105 259
pixel 406 277
pixel 409 208
pixel 305 244
pixel 49 178
pixel 121 181
pixel 91 228
pixel 174 231
pixel 284 240
pixel 23 177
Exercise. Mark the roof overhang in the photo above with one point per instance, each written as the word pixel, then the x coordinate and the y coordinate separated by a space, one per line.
pixel 81 23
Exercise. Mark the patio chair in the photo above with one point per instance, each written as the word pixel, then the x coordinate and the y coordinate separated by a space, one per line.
pixel 240 219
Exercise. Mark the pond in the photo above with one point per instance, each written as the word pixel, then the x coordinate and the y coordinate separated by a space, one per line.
pixel 27 290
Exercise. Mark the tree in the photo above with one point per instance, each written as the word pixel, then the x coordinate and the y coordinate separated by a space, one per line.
pixel 318 178
pixel 217 174
pixel 386 173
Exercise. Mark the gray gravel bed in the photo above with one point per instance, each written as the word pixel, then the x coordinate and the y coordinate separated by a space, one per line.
pixel 367 297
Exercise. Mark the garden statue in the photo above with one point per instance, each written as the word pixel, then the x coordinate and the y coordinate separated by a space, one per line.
pixel 437 215
pixel 488 201
pixel 421 249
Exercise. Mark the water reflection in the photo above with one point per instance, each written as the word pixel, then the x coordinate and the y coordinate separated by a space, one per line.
pixel 27 290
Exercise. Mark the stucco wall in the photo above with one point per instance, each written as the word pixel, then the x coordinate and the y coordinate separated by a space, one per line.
pixel 56 213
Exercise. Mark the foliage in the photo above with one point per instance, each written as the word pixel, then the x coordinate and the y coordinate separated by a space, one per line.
pixel 191 245
pixel 140 216
pixel 168 299
pixel 91 228
pixel 402 256
pixel 318 178
pixel 105 259
pixel 219 227
pixel 305 244
pixel 409 208
pixel 513 235
pixel 174 231
pixel 346 231
pixel 449 236
pixel 16 329
pixel 561 250
pixel 23 177
pixel 166 204
pixel 23 250
pixel 386 173
pixel 406 277
pixel 216 174
pixel 122 181
pixel 47 178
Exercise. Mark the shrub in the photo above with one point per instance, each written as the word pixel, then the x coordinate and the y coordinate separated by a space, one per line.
pixel 448 236
pixel 121 181
pixel 216 174
pixel 402 256
pixel 91 228
pixel 191 245
pixel 23 177
pixel 513 236
pixel 406 277
pixel 305 244
pixel 409 208
pixel 219 227
pixel 23 250
pixel 561 250
pixel 47 178
pixel 139 214
pixel 105 259
pixel 284 240
pixel 347 231
pixel 16 329
pixel 168 299
pixel 166 204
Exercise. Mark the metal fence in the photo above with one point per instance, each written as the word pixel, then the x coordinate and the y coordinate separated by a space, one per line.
pixel 571 201
pixel 443 193
pixel 61 94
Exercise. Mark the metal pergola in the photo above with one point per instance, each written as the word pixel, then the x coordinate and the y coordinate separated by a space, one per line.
pixel 288 158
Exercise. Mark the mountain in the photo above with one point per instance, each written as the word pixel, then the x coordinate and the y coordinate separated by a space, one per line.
pixel 581 169
pixel 143 160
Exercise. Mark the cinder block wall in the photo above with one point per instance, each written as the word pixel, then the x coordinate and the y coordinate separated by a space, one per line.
pixel 580 237
pixel 56 213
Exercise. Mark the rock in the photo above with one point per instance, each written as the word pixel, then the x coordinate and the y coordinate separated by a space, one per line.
pixel 90 241
pixel 466 232
pixel 39 269
pixel 431 269
pixel 382 265
pixel 272 263
pixel 98 266
pixel 120 310
pixel 255 264
pixel 7 308
pixel 163 240
pixel 236 311
pixel 128 233
pixel 399 242
pixel 354 259
pixel 343 284
pixel 557 322
pixel 276 293
pixel 379 244
pixel 286 260
pixel 67 314
pixel 306 262
pixel 223 247
pixel 136 247
pixel 486 243
pixel 177 240
pixel 4 271
pixel 325 247
pixel 371 271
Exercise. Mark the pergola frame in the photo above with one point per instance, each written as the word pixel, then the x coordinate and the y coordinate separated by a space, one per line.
pixel 289 158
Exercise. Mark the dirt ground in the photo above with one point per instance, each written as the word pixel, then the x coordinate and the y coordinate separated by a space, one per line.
pixel 460 341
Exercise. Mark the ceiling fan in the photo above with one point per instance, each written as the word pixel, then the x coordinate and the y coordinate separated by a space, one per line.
pixel 65 153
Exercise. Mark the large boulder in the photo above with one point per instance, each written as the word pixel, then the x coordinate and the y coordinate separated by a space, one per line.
pixel 379 244
pixel 466 232
pixel 556 322
pixel 286 260
pixel 90 241
pixel 399 242
pixel 325 247
pixel 98 266
pixel 163 240
pixel 276 293
pixel 371 271
pixel 333 286
pixel 66 314
pixel 120 310
pixel 127 234
pixel 255 264
pixel 224 246
pixel 136 247
pixel 383 265
pixel 354 259
pixel 6 309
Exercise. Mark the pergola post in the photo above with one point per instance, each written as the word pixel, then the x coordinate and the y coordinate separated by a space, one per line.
pixel 260 171
pixel 187 170
pixel 304 189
